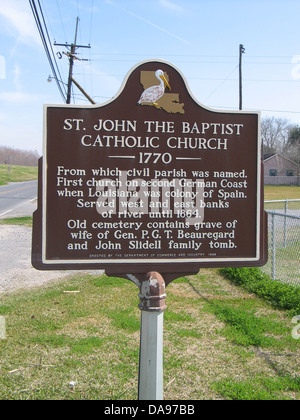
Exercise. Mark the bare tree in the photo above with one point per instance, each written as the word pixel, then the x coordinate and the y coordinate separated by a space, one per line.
pixel 275 134
pixel 10 156
pixel 292 149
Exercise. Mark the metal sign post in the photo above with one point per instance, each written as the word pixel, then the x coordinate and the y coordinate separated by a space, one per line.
pixel 152 304
pixel 151 356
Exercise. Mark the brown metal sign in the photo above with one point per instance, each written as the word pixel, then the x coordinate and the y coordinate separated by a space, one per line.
pixel 150 180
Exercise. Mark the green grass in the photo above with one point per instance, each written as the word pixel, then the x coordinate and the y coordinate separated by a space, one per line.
pixel 281 296
pixel 282 193
pixel 17 221
pixel 258 389
pixel 11 173
pixel 220 342
pixel 243 327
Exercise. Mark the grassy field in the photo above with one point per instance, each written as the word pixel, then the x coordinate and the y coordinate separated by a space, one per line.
pixel 282 193
pixel 220 342
pixel 10 173
pixel 18 221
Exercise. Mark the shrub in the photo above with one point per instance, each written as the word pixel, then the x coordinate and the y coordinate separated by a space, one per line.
pixel 281 296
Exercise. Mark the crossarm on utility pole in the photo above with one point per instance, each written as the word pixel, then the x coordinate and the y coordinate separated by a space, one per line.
pixel 72 56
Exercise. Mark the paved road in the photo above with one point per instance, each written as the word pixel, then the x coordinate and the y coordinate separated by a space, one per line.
pixel 15 195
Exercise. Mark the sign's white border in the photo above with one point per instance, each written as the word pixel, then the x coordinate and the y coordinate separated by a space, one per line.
pixel 145 261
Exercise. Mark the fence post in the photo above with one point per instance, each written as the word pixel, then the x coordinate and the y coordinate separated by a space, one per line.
pixel 273 248
pixel 285 221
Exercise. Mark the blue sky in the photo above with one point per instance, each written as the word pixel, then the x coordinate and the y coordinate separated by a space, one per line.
pixel 200 37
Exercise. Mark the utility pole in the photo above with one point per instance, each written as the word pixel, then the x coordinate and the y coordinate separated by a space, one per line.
pixel 72 57
pixel 242 51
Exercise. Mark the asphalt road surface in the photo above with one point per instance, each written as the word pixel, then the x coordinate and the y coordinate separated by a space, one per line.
pixel 15 195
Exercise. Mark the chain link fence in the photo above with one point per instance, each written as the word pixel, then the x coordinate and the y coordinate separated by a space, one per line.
pixel 284 244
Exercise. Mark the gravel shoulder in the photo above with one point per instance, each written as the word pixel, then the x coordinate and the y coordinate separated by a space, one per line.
pixel 16 271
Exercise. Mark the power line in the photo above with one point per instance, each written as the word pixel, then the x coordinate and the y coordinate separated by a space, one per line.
pixel 91 22
pixel 90 42
pixel 221 84
pixel 255 109
pixel 198 55
pixel 125 57
pixel 49 41
pixel 72 54
pixel 62 22
pixel 211 79
pixel 248 63
pixel 40 27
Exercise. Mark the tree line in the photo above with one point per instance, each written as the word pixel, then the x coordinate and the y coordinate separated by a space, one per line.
pixel 280 136
pixel 11 156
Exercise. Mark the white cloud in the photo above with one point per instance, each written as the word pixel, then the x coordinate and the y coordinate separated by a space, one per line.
pixel 2 67
pixel 17 76
pixel 19 19
pixel 172 6
pixel 110 85
pixel 18 98
pixel 148 21
pixel 23 136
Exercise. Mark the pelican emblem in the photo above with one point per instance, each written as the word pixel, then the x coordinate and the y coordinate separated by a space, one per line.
pixel 154 93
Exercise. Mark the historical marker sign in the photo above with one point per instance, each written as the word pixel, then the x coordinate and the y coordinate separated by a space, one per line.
pixel 150 180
